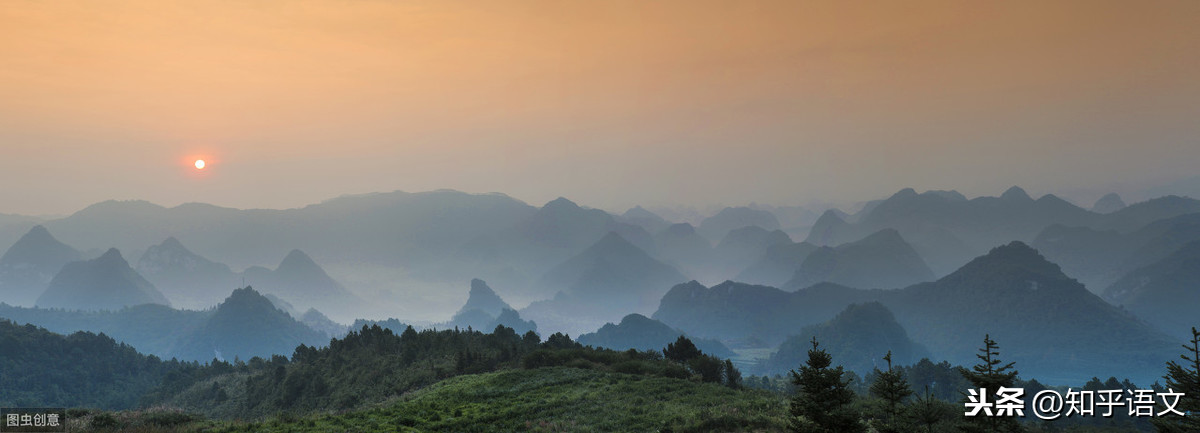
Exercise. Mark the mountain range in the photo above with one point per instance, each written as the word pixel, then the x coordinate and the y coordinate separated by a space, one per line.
pixel 104 283
pixel 1052 326
pixel 27 267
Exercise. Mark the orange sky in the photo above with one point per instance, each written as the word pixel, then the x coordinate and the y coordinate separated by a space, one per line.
pixel 610 103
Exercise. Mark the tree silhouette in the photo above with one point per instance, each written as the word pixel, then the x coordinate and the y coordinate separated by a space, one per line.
pixel 1183 377
pixel 823 401
pixel 990 374
pixel 892 387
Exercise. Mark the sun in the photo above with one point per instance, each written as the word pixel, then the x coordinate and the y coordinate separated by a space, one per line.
pixel 200 164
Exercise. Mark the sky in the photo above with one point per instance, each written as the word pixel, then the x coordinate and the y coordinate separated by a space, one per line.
pixel 609 103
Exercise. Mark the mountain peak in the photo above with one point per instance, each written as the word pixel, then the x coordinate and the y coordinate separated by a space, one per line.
pixel 904 193
pixel 1111 202
pixel 1015 255
pixel 485 299
pixel 104 283
pixel 560 203
pixel 39 247
pixel 1016 193
pixel 112 254
pixel 172 243
pixel 297 259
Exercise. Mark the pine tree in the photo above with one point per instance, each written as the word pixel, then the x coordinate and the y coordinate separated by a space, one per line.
pixel 991 374
pixel 682 350
pixel 823 401
pixel 1183 377
pixel 928 411
pixel 892 387
pixel 733 377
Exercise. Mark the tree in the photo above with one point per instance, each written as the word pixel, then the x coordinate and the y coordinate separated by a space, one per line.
pixel 1185 378
pixel 892 387
pixel 823 401
pixel 733 377
pixel 990 375
pixel 928 410
pixel 682 350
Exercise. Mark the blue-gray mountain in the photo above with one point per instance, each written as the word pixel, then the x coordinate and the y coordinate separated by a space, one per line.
pixel 104 283
pixel 643 333
pixel 29 264
pixel 1049 323
pixel 882 260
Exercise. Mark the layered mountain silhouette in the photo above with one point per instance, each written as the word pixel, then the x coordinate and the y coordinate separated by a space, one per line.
pixel 1165 293
pixel 643 333
pixel 733 311
pixel 881 260
pixel 27 267
pixel 1052 326
pixel 1110 203
pixel 947 229
pixel 246 325
pixel 1099 257
pixel 483 298
pixel 858 338
pixel 304 284
pixel 187 279
pixel 777 265
pixel 741 247
pixel 681 246
pixel 485 310
pixel 645 219
pixel 728 219
pixel 104 283
pixel 611 278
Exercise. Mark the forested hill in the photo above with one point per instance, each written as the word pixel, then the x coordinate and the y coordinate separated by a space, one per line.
pixel 39 368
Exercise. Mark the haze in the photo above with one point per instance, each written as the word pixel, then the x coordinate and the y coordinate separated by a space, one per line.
pixel 610 103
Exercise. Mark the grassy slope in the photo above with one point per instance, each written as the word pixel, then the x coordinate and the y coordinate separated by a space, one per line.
pixel 555 399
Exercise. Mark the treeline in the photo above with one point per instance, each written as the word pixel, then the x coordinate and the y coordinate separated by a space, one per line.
pixel 828 398
pixel 39 368
pixel 373 364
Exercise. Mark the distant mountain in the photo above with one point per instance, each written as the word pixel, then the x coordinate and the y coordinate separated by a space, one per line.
pixel 1110 203
pixel 383 240
pixel 881 260
pixel 682 247
pixel 29 265
pixel 246 325
pixel 304 284
pixel 1049 324
pixel 483 298
pixel 185 278
pixel 1165 293
pixel 645 219
pixel 828 228
pixel 611 278
pixel 717 226
pixel 858 338
pixel 485 310
pixel 777 265
pixel 1138 215
pixel 643 333
pixel 1099 257
pixel 317 321
pixel 947 230
pixel 103 283
pixel 742 246
pixel 737 311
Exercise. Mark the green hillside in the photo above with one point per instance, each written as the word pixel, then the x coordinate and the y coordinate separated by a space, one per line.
pixel 555 399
